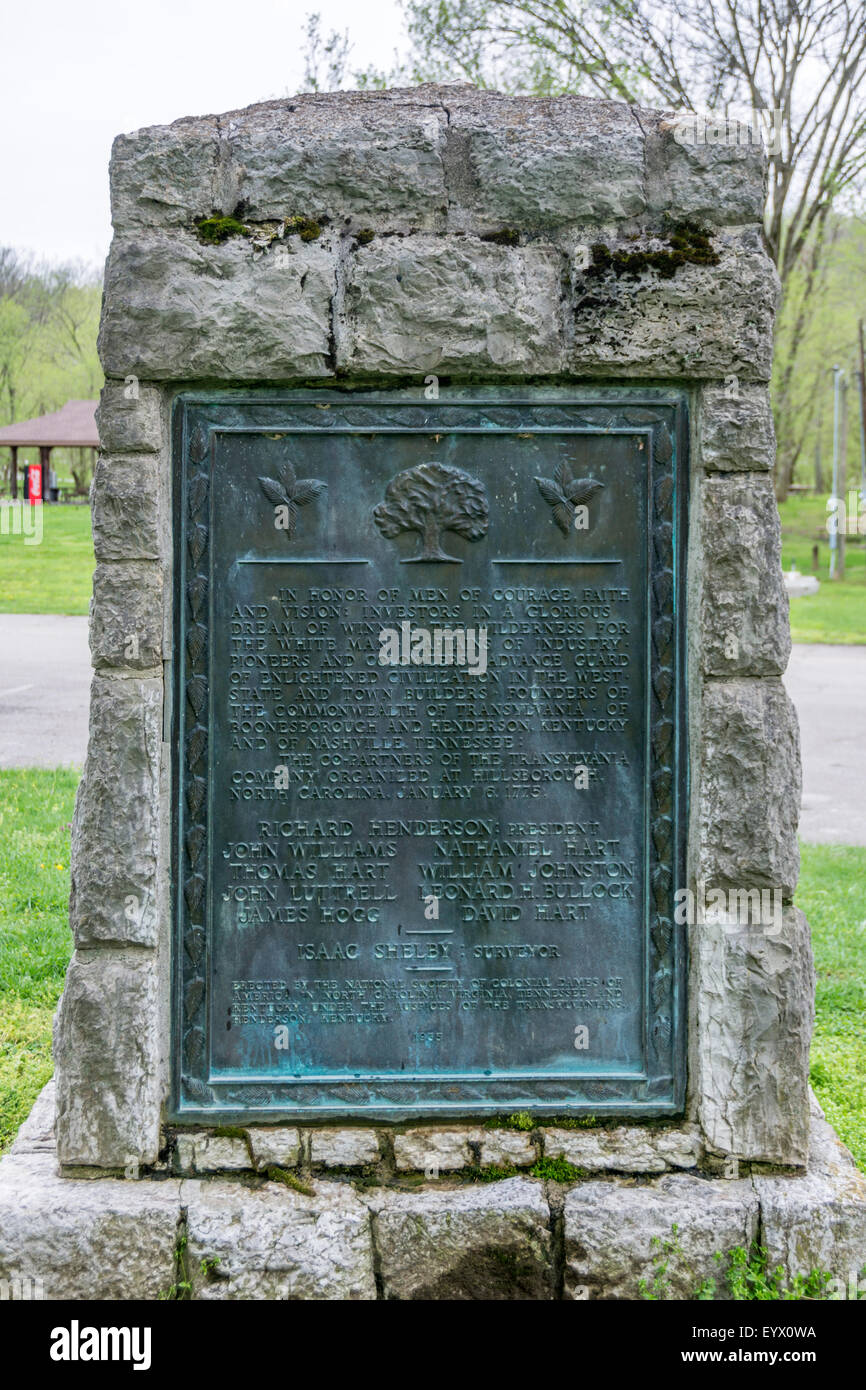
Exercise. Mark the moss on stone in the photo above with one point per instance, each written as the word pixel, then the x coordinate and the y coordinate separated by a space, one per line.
pixel 230 1132
pixel 368 1177
pixel 217 229
pixel 491 1172
pixel 688 244
pixel 506 237
pixel 523 1122
pixel 574 1122
pixel 364 236
pixel 304 227
pixel 289 1179
pixel 556 1170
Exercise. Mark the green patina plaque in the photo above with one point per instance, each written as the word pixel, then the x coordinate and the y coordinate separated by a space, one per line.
pixel 429 791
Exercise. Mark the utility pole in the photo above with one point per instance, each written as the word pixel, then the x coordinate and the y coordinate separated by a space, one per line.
pixel 843 474
pixel 862 414
pixel 833 526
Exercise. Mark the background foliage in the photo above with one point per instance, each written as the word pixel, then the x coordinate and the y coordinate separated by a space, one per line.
pixel 49 316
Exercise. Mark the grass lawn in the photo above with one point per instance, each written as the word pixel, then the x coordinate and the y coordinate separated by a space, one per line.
pixel 832 893
pixel 35 944
pixel 837 613
pixel 54 576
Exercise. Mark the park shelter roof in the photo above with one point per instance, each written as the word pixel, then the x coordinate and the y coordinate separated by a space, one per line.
pixel 72 426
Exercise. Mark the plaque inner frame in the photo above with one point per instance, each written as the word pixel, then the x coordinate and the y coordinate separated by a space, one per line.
pixel 198 1096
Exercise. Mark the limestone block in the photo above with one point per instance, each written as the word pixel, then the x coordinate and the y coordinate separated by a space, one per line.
pixel 501 1147
pixel 703 321
pixel 128 417
pixel 625 1149
pixel 749 779
pixel 36 1135
pixel 177 309
pixel 490 1241
pixel 107 1055
pixel 818 1222
pixel 753 1012
pixel 273 1243
pixel 445 1149
pixel 736 430
pixel 125 514
pixel 744 612
pixel 343 1148
pixel 103 1239
pixel 362 162
pixel 709 172
pixel 426 304
pixel 126 616
pixel 211 1153
pixel 514 164
pixel 115 832
pixel 164 175
pixel 275 1147
pixel 610 1226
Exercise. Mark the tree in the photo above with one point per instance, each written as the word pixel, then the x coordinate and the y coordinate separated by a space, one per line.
pixel 325 60
pixel 829 336
pixel 48 322
pixel 802 59
pixel 432 498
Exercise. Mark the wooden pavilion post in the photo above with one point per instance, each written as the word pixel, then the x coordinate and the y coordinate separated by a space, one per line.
pixel 45 465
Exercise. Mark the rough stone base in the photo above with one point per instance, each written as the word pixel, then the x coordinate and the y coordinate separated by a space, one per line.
pixel 250 1237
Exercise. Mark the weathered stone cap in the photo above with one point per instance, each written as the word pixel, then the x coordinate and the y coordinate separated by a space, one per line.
pixel 433 158
pixel 435 229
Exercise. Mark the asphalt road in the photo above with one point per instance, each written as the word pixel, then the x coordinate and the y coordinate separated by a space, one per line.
pixel 44 690
pixel 828 687
pixel 45 683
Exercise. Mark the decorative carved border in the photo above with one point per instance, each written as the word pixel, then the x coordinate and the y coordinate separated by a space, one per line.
pixel 661 1091
pixel 194 661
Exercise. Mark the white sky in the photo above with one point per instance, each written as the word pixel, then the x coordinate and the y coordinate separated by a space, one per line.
pixel 77 74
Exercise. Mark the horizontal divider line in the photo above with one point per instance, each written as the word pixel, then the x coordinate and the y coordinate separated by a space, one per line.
pixel 557 562
pixel 304 560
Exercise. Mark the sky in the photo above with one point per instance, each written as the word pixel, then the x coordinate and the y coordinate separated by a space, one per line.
pixel 76 75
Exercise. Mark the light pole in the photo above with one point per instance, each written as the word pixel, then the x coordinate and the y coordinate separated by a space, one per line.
pixel 834 500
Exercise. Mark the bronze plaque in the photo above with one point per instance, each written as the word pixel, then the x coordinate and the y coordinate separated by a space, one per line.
pixel 430 773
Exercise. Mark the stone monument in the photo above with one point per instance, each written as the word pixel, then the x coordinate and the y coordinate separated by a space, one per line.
pixel 439 813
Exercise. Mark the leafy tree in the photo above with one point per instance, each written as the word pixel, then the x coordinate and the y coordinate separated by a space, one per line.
pixel 803 59
pixel 325 59
pixel 49 316
pixel 432 498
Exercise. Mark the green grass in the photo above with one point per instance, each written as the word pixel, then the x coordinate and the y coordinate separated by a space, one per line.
pixel 832 893
pixel 55 576
pixel 837 613
pixel 35 942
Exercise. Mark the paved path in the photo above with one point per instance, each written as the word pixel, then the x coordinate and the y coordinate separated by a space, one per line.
pixel 828 686
pixel 44 690
pixel 45 684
